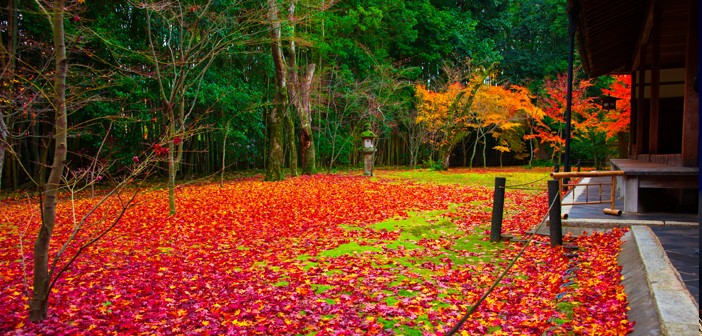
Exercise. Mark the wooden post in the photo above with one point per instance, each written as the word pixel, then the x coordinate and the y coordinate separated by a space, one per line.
pixel 631 153
pixel 654 111
pixel 613 197
pixel 554 213
pixel 641 99
pixel 498 206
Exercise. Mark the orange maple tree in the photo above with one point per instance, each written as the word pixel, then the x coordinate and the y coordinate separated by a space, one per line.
pixel 500 111
pixel 472 109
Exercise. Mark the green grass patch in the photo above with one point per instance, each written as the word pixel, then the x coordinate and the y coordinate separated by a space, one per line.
pixel 319 289
pixel 427 224
pixel 406 293
pixel 463 176
pixel 406 244
pixel 566 308
pixel 349 248
pixel 402 330
pixel 351 228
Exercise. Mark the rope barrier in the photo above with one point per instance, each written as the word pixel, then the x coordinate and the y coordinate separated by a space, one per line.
pixel 513 186
pixel 497 281
pixel 524 188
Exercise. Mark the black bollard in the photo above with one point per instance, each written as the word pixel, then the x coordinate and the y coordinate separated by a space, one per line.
pixel 554 214
pixel 498 206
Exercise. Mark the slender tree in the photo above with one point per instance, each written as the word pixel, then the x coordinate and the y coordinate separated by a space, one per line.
pixel 38 305
pixel 183 41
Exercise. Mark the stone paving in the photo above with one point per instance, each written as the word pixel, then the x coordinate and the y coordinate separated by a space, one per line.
pixel 681 245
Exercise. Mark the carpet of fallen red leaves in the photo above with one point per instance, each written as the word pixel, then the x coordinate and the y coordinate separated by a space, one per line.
pixel 249 258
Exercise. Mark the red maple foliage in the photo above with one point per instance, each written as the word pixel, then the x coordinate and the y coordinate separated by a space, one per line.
pixel 308 255
pixel 617 120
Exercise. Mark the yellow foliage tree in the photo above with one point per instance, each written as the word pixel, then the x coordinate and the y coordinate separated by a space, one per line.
pixel 471 109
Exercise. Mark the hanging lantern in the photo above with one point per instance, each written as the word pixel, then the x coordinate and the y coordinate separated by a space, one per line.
pixel 608 102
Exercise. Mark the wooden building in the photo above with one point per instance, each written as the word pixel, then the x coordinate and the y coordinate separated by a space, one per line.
pixel 657 42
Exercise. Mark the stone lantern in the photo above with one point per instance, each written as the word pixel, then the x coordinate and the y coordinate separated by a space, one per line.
pixel 608 102
pixel 368 150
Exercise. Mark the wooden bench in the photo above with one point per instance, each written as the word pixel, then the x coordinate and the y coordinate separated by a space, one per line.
pixel 642 174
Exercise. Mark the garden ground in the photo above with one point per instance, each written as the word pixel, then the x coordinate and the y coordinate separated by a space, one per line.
pixel 403 252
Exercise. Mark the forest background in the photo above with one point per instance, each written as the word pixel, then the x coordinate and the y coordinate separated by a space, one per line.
pixel 204 87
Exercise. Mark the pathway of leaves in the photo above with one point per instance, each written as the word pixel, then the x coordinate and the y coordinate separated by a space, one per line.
pixel 324 254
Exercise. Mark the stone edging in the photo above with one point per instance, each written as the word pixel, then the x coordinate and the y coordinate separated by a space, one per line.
pixel 676 309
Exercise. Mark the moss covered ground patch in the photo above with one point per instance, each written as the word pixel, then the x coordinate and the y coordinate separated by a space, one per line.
pixel 427 241
pixel 349 248
pixel 535 177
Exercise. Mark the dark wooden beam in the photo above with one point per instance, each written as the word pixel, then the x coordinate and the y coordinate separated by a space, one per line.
pixel 654 111
pixel 633 117
pixel 690 146
pixel 640 123
pixel 643 38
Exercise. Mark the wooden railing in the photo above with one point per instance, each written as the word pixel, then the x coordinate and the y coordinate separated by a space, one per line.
pixel 566 186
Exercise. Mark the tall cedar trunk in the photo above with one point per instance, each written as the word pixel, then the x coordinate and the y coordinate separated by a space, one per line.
pixel 224 155
pixel 38 305
pixel 292 88
pixel 299 91
pixel 274 171
pixel 304 111
pixel 290 139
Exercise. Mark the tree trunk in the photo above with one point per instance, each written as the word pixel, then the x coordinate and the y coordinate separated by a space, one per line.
pixel 309 166
pixel 445 156
pixel 475 147
pixel 38 305
pixel 224 155
pixel 290 139
pixel 484 151
pixel 274 171
pixel 3 143
pixel 171 170
pixel 464 150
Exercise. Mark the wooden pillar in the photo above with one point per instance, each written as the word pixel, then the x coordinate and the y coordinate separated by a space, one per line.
pixel 640 101
pixel 654 111
pixel 633 115
pixel 690 132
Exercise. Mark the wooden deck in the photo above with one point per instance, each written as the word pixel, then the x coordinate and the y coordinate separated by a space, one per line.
pixel 642 174
pixel 593 212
